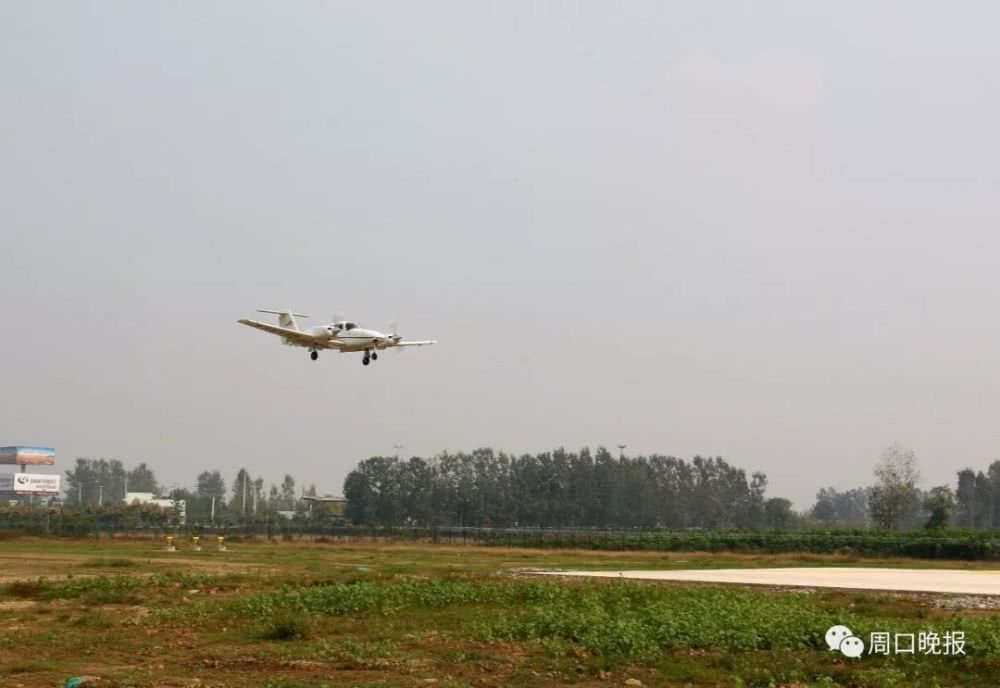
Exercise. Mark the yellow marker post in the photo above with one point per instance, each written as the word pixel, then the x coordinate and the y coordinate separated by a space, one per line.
pixel 196 546
pixel 170 543
pixel 222 544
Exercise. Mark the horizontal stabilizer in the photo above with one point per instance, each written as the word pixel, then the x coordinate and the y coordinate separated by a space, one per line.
pixel 285 318
pixel 296 315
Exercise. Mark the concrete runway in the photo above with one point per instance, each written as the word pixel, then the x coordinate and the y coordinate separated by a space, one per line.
pixel 903 580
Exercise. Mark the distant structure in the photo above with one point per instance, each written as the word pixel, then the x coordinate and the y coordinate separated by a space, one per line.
pixel 332 506
pixel 21 483
pixel 28 456
pixel 149 498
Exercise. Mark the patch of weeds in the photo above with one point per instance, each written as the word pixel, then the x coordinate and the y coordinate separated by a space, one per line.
pixel 826 682
pixel 94 620
pixel 197 581
pixel 391 596
pixel 283 682
pixel 27 589
pixel 881 677
pixel 101 590
pixel 365 654
pixel 285 627
pixel 116 590
pixel 109 563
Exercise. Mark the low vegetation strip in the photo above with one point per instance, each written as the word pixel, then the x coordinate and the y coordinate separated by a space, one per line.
pixel 116 589
pixel 385 596
pixel 960 545
pixel 943 544
pixel 619 622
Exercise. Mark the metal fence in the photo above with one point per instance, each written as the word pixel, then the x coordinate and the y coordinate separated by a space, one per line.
pixel 953 544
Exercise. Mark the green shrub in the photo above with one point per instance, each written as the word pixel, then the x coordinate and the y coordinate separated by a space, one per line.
pixel 285 627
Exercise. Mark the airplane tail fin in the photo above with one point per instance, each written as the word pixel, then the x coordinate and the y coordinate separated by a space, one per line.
pixel 285 318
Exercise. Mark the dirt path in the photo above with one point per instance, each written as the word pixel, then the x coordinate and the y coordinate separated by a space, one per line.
pixel 18 566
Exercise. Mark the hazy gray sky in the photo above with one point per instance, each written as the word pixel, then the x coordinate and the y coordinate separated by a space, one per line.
pixel 761 230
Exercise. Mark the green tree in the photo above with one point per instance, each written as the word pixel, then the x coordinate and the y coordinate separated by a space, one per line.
pixel 823 510
pixel 557 489
pixel 983 501
pixel 142 479
pixel 778 513
pixel 891 499
pixel 95 481
pixel 81 483
pixel 288 492
pixel 965 496
pixel 940 505
pixel 242 492
pixel 755 516
pixel 211 484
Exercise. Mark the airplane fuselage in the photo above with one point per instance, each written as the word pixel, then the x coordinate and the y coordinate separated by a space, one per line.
pixel 355 339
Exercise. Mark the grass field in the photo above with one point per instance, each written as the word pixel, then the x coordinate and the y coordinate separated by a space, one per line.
pixel 288 614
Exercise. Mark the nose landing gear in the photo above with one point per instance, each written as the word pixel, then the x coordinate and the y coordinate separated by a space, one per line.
pixel 367 359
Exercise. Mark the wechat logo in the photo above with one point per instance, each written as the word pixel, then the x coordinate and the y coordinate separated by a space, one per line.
pixel 841 638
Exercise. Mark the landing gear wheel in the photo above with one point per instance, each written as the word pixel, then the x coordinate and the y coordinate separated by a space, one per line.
pixel 314 355
pixel 374 356
pixel 364 361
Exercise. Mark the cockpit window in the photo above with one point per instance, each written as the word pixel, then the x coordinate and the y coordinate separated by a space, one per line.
pixel 349 326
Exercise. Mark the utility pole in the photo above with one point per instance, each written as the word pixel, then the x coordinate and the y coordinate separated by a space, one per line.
pixel 621 451
pixel 397 447
pixel 213 510
pixel 244 492
pixel 100 495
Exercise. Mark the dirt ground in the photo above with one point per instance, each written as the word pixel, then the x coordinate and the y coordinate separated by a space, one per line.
pixel 127 611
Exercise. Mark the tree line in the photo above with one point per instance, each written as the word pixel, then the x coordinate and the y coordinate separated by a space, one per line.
pixel 560 489
pixel 105 482
pixel 896 502
pixel 563 489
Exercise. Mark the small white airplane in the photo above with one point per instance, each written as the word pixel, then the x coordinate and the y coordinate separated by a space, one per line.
pixel 342 335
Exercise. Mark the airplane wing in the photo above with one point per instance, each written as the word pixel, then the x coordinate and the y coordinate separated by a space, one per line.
pixel 295 336
pixel 427 342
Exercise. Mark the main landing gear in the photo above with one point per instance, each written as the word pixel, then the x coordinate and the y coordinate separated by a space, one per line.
pixel 314 355
pixel 369 357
